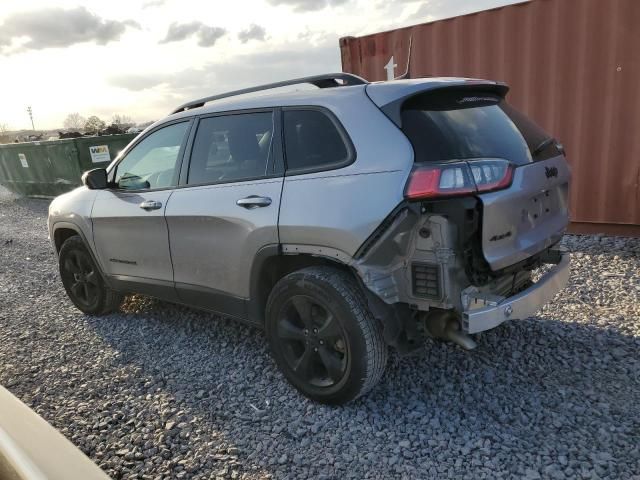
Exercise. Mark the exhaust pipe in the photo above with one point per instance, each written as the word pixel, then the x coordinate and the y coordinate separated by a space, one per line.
pixel 445 325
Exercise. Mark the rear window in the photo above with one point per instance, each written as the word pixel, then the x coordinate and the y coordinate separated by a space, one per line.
pixel 312 141
pixel 231 148
pixel 458 125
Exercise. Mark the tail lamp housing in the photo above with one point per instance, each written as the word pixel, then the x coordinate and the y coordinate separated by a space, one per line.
pixel 430 181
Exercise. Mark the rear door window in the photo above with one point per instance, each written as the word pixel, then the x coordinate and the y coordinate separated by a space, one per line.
pixel 231 148
pixel 458 125
pixel 313 142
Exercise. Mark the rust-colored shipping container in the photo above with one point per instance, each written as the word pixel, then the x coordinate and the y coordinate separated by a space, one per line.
pixel 572 65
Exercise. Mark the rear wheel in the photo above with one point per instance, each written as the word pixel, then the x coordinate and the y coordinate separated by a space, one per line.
pixel 322 335
pixel 82 280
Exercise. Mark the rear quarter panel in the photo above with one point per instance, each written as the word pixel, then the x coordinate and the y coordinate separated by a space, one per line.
pixel 340 208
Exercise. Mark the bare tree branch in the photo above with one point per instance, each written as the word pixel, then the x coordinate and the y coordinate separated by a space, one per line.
pixel 94 125
pixel 122 120
pixel 74 121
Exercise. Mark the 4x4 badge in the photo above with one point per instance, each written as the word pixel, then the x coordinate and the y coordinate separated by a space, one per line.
pixel 551 172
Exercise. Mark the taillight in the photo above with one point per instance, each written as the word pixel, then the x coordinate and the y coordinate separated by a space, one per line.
pixel 458 178
pixel 490 175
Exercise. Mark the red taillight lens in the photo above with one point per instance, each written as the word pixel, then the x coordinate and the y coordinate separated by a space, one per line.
pixel 490 175
pixel 458 178
pixel 439 181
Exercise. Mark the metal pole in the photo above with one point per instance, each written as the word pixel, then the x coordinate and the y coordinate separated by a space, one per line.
pixel 30 112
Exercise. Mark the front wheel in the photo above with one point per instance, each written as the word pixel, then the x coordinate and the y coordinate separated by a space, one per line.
pixel 82 280
pixel 322 335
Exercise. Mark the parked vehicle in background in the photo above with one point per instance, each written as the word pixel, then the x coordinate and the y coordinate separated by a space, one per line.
pixel 343 220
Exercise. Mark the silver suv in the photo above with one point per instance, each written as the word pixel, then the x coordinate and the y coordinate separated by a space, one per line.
pixel 342 219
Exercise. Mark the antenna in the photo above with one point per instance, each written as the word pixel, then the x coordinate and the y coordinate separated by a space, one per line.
pixel 406 72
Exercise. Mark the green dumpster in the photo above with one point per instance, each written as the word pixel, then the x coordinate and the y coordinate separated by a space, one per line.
pixel 91 156
pixel 47 169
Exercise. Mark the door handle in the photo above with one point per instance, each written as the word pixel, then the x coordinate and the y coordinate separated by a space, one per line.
pixel 253 201
pixel 150 205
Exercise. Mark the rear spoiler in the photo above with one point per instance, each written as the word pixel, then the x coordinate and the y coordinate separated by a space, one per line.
pixel 390 96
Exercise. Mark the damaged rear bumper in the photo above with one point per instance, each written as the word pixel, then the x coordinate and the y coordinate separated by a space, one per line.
pixel 484 314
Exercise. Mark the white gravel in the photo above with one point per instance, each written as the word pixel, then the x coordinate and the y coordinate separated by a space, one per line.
pixel 161 391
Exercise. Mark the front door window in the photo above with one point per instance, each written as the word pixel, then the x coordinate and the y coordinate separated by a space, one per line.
pixel 152 162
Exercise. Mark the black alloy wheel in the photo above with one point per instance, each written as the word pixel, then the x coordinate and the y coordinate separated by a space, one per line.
pixel 323 336
pixel 312 341
pixel 80 276
pixel 83 281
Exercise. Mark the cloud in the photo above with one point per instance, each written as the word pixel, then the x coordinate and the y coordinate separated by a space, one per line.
pixel 207 36
pixel 137 82
pixel 254 32
pixel 308 5
pixel 257 68
pixel 179 31
pixel 238 72
pixel 56 27
pixel 440 9
pixel 153 3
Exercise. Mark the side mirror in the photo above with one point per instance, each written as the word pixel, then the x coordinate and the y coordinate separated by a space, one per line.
pixel 95 179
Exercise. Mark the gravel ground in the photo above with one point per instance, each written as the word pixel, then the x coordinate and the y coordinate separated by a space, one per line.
pixel 165 391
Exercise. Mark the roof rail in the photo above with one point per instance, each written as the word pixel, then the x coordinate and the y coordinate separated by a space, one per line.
pixel 321 81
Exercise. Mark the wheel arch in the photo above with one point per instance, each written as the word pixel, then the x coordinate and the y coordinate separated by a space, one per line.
pixel 65 230
pixel 273 262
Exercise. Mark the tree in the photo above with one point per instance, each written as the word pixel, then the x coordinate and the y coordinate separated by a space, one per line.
pixel 94 125
pixel 4 128
pixel 74 121
pixel 122 121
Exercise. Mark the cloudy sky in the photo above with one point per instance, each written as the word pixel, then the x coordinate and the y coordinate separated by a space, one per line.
pixel 142 57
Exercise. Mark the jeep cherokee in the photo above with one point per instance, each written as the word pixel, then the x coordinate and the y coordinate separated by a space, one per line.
pixel 342 219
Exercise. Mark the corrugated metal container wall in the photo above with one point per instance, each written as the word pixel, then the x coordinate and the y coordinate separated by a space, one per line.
pixel 573 66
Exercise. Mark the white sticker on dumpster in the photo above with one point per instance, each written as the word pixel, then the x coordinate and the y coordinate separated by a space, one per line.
pixel 23 160
pixel 100 153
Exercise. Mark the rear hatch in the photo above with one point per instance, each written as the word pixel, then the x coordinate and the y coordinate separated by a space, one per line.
pixel 529 216
pixel 483 146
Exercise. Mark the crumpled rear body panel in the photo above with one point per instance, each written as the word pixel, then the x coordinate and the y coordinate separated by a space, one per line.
pixel 386 267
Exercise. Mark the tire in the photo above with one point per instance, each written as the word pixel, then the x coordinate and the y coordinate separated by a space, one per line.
pixel 323 337
pixel 83 281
